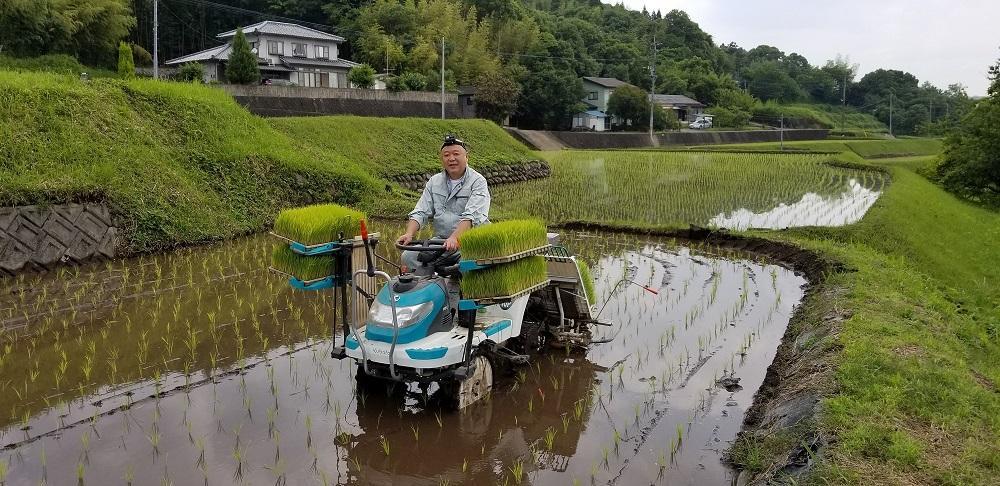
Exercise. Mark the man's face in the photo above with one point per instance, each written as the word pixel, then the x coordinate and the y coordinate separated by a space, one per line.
pixel 454 160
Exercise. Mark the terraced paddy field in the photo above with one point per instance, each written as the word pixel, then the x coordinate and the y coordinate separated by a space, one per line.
pixel 200 366
pixel 675 189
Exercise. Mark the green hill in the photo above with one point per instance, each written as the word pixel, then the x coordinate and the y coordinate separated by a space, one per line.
pixel 404 145
pixel 177 163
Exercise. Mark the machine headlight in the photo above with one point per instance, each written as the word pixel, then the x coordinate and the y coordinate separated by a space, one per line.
pixel 381 314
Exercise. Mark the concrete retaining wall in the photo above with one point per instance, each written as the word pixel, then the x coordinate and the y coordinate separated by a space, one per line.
pixel 503 174
pixel 591 140
pixel 300 101
pixel 36 236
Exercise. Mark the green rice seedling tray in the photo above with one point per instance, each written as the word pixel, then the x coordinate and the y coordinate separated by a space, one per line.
pixel 310 228
pixel 314 250
pixel 503 239
pixel 505 280
pixel 479 264
pixel 306 269
pixel 470 304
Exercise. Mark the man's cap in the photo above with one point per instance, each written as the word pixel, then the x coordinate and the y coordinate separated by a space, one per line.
pixel 453 140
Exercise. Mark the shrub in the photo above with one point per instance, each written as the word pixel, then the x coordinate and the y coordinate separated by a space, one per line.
pixel 731 118
pixel 413 81
pixel 191 71
pixel 319 223
pixel 141 56
pixel 502 239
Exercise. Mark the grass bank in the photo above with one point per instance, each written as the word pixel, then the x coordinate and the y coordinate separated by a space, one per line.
pixel 389 147
pixel 177 163
pixel 866 149
pixel 914 397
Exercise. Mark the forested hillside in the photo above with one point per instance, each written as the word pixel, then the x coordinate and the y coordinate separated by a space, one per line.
pixel 526 56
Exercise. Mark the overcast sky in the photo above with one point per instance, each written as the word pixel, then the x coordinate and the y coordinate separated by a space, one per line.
pixel 943 42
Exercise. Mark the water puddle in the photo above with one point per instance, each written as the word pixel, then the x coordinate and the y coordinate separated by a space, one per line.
pixel 812 210
pixel 250 395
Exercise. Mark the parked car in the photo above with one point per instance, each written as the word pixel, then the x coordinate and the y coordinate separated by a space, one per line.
pixel 276 82
pixel 700 124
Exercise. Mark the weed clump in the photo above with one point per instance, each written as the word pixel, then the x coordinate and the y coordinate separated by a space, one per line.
pixel 304 268
pixel 505 279
pixel 319 223
pixel 502 239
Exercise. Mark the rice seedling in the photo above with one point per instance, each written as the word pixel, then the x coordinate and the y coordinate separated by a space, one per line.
pixel 588 280
pixel 502 239
pixel 304 268
pixel 321 223
pixel 505 279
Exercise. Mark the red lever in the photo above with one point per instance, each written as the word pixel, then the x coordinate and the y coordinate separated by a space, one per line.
pixel 364 231
pixel 650 290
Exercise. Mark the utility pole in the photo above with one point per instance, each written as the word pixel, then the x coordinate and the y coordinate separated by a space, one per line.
pixel 843 101
pixel 890 113
pixel 930 115
pixel 781 132
pixel 652 86
pixel 156 39
pixel 442 77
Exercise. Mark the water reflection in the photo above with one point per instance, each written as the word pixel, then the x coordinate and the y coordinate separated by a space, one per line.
pixel 812 210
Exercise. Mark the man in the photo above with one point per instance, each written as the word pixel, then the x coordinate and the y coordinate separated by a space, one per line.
pixel 457 198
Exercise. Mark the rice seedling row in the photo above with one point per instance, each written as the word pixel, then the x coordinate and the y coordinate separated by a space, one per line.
pixel 234 384
pixel 732 190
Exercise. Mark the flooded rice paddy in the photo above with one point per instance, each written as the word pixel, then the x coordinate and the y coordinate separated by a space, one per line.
pixel 735 191
pixel 200 367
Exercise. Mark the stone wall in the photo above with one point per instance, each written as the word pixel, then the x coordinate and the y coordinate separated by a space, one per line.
pixel 37 236
pixel 502 174
pixel 300 101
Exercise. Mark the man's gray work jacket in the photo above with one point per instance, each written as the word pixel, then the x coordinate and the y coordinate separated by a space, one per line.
pixel 470 200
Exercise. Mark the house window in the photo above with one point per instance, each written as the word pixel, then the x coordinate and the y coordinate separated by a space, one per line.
pixel 469 101
pixel 314 79
pixel 276 48
pixel 592 95
pixel 298 50
pixel 322 52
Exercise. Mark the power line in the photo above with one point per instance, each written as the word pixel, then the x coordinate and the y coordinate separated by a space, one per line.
pixel 230 8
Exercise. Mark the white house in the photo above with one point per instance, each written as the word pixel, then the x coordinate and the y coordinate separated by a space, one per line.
pixel 291 52
pixel 597 92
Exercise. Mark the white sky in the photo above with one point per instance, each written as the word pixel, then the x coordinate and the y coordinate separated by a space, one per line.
pixel 943 42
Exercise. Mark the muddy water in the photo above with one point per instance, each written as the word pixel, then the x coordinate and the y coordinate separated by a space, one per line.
pixel 644 407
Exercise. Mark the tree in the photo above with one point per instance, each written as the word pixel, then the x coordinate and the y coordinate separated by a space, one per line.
pixel 767 80
pixel 242 67
pixel 496 96
pixel 630 105
pixel 970 165
pixel 141 56
pixel 87 29
pixel 126 67
pixel 362 76
pixel 550 96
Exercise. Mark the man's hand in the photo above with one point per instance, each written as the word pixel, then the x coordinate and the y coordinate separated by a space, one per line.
pixel 451 244
pixel 404 239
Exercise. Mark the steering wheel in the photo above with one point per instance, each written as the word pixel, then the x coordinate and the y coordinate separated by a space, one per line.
pixel 433 244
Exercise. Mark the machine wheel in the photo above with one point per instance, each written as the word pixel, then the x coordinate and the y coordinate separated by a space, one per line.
pixel 477 386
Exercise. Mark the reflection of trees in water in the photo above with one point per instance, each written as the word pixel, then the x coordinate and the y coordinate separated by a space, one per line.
pixel 482 443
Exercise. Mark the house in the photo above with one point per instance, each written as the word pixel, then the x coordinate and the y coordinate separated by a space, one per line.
pixel 597 92
pixel 289 52
pixel 686 108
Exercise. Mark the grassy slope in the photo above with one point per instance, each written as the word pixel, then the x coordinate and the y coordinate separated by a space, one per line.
pixel 405 145
pixel 918 373
pixel 179 163
pixel 868 149
pixel 829 116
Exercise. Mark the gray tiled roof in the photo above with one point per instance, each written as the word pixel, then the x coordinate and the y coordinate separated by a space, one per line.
pixel 215 53
pixel 308 61
pixel 283 28
pixel 606 82
pixel 675 100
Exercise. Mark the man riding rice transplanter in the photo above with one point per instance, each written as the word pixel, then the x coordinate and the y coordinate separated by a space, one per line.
pixel 457 198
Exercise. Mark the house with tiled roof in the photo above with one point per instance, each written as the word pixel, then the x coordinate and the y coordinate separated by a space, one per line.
pixel 686 109
pixel 287 52
pixel 597 91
